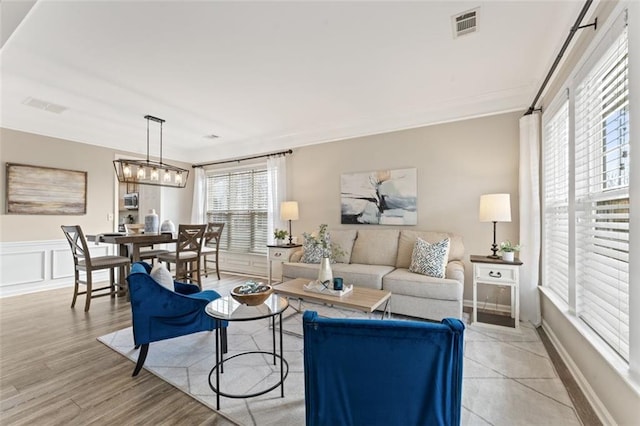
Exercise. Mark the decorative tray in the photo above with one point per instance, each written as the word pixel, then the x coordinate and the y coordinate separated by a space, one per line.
pixel 318 287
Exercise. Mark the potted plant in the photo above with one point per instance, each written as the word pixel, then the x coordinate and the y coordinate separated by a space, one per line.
pixel 508 250
pixel 280 235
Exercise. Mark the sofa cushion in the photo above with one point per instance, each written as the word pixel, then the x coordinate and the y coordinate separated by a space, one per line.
pixel 376 247
pixel 162 276
pixel 430 259
pixel 369 276
pixel 407 242
pixel 401 281
pixel 343 239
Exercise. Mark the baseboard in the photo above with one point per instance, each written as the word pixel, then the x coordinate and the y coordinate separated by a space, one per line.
pixel 597 405
pixel 490 307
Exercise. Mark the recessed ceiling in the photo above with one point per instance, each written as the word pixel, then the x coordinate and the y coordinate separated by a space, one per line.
pixel 264 76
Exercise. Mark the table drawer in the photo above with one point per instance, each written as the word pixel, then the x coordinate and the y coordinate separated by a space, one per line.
pixel 279 254
pixel 495 273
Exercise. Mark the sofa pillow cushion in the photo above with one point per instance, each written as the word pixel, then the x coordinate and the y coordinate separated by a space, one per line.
pixel 430 259
pixel 162 276
pixel 408 238
pixel 312 253
pixel 343 240
pixel 376 247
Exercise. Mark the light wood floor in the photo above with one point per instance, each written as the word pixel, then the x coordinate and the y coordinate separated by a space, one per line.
pixel 53 371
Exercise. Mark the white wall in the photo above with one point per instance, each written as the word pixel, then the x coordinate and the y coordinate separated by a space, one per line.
pixel 456 163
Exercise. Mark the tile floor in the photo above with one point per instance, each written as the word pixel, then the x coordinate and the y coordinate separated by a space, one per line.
pixel 509 378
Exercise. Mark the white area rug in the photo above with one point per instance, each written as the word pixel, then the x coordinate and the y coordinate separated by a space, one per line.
pixel 508 376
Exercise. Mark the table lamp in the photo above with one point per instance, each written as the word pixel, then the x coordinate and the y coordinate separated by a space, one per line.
pixel 495 208
pixel 289 211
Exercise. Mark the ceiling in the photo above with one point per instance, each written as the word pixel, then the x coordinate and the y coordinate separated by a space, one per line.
pixel 265 76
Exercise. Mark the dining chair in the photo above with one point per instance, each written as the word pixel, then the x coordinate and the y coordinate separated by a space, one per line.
pixel 83 261
pixel 187 254
pixel 212 245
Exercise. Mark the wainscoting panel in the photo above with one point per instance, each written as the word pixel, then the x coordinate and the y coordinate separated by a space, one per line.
pixel 30 266
pixel 250 264
pixel 22 268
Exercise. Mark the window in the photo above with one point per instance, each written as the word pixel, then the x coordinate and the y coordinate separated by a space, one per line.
pixel 602 197
pixel 586 192
pixel 239 199
pixel 556 200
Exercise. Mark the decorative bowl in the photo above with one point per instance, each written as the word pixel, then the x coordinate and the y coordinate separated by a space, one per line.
pixel 134 228
pixel 251 293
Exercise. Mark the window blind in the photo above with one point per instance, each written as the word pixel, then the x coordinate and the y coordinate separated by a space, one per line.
pixel 602 195
pixel 239 199
pixel 555 270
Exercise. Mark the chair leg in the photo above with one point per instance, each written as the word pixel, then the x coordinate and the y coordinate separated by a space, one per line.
pixel 206 271
pixel 75 288
pixel 87 303
pixel 142 356
pixel 217 268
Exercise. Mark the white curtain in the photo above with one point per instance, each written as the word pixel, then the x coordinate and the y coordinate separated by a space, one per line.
pixel 529 187
pixel 198 208
pixel 277 183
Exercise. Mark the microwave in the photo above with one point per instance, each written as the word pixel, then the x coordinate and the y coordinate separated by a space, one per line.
pixel 131 201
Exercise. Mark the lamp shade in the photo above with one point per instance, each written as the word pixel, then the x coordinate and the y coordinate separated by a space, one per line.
pixel 495 208
pixel 289 210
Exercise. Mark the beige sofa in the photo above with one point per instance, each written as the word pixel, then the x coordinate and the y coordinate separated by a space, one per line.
pixel 380 259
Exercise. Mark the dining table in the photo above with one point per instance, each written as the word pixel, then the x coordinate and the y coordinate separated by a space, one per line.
pixel 129 244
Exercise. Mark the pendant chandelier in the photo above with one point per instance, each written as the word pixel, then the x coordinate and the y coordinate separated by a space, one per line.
pixel 147 172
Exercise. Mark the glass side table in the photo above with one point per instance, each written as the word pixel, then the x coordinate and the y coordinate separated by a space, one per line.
pixel 228 309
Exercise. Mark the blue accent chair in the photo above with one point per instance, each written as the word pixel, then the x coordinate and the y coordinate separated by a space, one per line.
pixel 382 372
pixel 159 313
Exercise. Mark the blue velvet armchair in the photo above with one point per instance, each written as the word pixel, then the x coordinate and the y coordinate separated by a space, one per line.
pixel 380 372
pixel 159 313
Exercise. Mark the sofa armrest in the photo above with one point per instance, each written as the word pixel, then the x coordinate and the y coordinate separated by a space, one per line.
pixel 296 256
pixel 455 271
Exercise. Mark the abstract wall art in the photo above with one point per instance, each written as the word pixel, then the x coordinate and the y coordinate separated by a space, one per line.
pixel 381 197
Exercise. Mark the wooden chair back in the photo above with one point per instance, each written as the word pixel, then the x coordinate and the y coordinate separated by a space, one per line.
pixel 190 239
pixel 214 232
pixel 78 244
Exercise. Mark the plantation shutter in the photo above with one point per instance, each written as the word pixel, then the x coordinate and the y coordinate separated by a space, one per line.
pixel 602 192
pixel 555 270
pixel 239 199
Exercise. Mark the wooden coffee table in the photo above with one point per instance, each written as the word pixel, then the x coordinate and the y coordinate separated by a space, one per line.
pixel 360 298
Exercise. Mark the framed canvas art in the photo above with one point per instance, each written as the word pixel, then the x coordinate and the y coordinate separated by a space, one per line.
pixel 381 197
pixel 45 190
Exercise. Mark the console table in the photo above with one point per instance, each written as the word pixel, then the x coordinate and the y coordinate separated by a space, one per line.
pixel 497 272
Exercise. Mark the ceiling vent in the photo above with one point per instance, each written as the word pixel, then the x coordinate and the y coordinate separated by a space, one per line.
pixel 44 105
pixel 465 22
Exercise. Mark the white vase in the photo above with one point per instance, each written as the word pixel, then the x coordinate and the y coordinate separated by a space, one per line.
pixel 508 256
pixel 167 226
pixel 151 222
pixel 325 273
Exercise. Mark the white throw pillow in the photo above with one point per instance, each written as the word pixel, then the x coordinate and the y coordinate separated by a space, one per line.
pixel 162 276
pixel 430 259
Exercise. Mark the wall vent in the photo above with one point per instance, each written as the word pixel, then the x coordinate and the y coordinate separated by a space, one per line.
pixel 465 22
pixel 44 105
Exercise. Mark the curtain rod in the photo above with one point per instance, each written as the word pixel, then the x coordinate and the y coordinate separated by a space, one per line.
pixel 572 32
pixel 237 160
